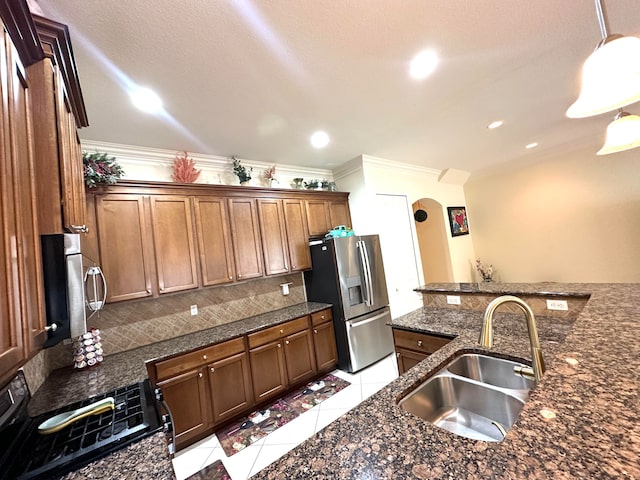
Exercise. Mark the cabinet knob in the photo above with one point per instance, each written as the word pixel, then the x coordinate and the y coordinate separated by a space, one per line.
pixel 419 343
pixel 397 354
pixel 286 342
pixel 239 276
pixel 80 228
pixel 281 330
pixel 322 317
pixel 199 374
pixel 315 331
pixel 230 277
pixel 279 346
pixel 212 369
pixel 51 328
pixel 204 357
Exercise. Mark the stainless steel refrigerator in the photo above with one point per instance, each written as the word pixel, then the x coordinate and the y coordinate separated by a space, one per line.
pixel 348 273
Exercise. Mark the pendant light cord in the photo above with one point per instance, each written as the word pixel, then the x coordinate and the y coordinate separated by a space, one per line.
pixel 602 19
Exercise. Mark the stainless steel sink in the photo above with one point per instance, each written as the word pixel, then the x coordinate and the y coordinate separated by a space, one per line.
pixel 463 407
pixel 491 370
pixel 474 396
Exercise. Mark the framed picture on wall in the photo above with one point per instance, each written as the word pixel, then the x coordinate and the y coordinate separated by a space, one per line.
pixel 458 221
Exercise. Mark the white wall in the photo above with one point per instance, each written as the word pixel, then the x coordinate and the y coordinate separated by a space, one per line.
pixel 570 218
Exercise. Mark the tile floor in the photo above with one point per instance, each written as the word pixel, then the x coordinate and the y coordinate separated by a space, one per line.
pixel 268 449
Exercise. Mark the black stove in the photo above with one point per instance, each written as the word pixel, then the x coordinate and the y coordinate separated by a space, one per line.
pixel 25 453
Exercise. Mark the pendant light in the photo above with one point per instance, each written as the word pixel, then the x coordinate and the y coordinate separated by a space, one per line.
pixel 611 74
pixel 622 134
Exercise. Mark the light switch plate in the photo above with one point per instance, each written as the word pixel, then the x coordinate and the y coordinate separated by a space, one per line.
pixel 557 305
pixel 453 299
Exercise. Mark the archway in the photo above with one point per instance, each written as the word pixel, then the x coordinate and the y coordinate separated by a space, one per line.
pixel 432 241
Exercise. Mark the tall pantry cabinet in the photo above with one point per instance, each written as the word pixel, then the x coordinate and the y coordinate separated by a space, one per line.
pixel 26 173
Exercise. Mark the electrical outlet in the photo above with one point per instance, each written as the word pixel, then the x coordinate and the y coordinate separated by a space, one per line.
pixel 557 305
pixel 194 309
pixel 453 299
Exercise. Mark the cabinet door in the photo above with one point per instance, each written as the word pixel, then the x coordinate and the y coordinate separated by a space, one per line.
pixel 11 339
pixel 267 370
pixel 186 397
pixel 339 214
pixel 28 243
pixel 214 240
pixel 230 386
pixel 70 159
pixel 245 238
pixel 297 230
pixel 408 358
pixel 173 242
pixel 125 246
pixel 274 236
pixel 318 217
pixel 299 356
pixel 324 342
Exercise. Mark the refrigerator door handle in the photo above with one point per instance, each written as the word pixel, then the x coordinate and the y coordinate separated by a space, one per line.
pixel 352 324
pixel 362 251
pixel 368 274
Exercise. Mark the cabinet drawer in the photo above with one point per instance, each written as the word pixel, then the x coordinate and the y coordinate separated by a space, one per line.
pixel 321 317
pixel 419 342
pixel 273 333
pixel 188 361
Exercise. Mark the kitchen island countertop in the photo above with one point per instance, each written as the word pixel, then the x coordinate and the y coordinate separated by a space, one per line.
pixel 595 432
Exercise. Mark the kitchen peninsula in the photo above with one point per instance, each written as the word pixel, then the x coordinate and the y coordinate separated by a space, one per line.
pixel 595 432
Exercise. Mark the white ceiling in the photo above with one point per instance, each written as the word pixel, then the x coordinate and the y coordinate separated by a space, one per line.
pixel 254 78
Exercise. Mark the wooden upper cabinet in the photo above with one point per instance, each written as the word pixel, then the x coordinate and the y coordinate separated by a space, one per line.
pixel 246 238
pixel 174 244
pixel 214 240
pixel 274 236
pixel 125 248
pixel 295 221
pixel 318 217
pixel 339 214
pixel 29 260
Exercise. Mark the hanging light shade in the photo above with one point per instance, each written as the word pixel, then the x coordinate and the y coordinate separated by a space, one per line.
pixel 622 134
pixel 610 75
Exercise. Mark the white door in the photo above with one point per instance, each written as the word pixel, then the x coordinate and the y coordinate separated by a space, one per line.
pixel 393 219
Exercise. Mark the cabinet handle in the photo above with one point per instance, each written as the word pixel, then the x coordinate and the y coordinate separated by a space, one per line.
pixel 419 343
pixel 51 328
pixel 397 354
pixel 204 357
pixel 212 369
pixel 315 331
pixel 80 228
pixel 148 290
pixel 199 374
pixel 322 317
pixel 279 346
pixel 281 330
pixel 286 342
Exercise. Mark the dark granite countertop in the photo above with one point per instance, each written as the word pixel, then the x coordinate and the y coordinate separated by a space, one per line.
pixel 149 458
pixel 595 432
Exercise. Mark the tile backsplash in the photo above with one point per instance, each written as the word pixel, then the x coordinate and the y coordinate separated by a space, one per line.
pixel 127 325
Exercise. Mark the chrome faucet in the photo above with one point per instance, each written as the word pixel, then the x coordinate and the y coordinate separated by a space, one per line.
pixel 486 334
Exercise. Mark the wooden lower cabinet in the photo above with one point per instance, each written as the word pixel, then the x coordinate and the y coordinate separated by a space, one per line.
pixel 186 395
pixel 413 347
pixel 229 387
pixel 268 370
pixel 299 356
pixel 211 386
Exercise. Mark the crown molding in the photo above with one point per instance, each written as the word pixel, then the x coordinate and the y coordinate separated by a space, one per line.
pixel 368 160
pixel 156 156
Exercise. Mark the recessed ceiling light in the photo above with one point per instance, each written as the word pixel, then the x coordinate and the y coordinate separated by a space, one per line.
pixel 496 124
pixel 423 64
pixel 531 145
pixel 146 100
pixel 320 139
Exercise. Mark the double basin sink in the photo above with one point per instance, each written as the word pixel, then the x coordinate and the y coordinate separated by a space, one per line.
pixel 474 396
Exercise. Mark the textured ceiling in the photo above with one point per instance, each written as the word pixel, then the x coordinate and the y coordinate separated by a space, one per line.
pixel 255 78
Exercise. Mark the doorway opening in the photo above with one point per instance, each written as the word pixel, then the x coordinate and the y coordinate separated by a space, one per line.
pixel 431 229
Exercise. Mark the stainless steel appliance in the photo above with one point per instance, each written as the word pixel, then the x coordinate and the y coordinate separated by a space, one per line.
pixel 26 453
pixel 63 286
pixel 348 273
